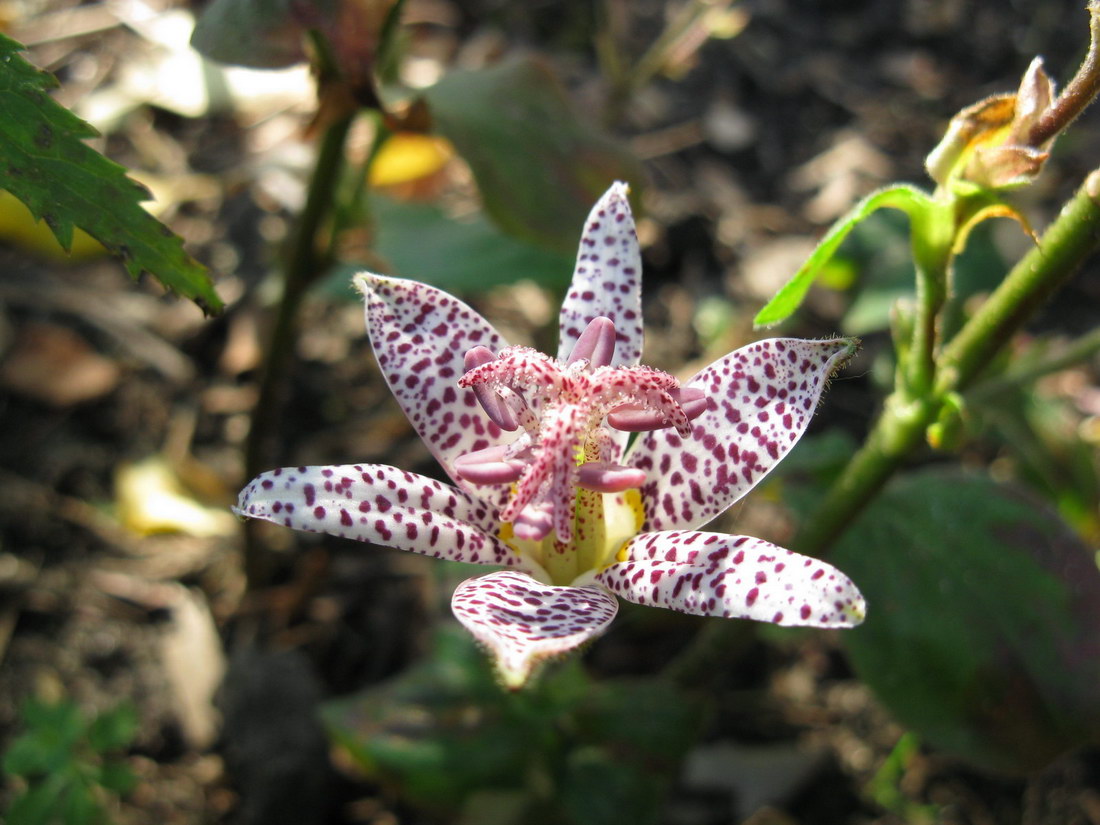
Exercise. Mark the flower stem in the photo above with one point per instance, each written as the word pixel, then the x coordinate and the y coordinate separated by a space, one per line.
pixel 899 431
pixel 1065 245
pixel 303 265
pixel 1066 356
pixel 1079 92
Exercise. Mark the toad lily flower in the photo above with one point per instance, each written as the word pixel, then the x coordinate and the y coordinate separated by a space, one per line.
pixel 544 484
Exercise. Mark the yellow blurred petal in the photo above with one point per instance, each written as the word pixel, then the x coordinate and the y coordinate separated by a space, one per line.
pixel 18 227
pixel 151 499
pixel 407 156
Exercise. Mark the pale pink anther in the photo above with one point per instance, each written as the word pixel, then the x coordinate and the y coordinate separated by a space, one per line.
pixel 605 477
pixel 495 407
pixel 632 418
pixel 596 344
pixel 489 466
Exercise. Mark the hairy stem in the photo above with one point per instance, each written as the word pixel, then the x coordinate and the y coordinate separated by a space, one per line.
pixel 1066 356
pixel 1079 92
pixel 1065 245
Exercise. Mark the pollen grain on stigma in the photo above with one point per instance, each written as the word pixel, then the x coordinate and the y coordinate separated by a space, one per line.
pixel 564 410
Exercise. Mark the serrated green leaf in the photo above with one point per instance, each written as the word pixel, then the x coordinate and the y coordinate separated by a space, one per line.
pixel 538 166
pixel 46 164
pixel 908 199
pixel 983 622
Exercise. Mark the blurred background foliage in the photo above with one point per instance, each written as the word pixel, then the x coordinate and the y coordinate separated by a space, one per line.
pixel 461 143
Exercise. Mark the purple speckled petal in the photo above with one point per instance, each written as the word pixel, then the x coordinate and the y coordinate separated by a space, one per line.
pixel 607 280
pixel 714 574
pixel 760 399
pixel 383 505
pixel 420 336
pixel 524 623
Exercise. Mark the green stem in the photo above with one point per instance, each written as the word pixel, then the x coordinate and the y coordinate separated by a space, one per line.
pixel 1072 237
pixel 1065 245
pixel 933 233
pixel 1080 350
pixel 303 266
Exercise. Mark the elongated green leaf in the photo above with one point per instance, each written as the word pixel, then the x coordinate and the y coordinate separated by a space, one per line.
pixel 983 631
pixel 539 167
pixel 908 199
pixel 45 163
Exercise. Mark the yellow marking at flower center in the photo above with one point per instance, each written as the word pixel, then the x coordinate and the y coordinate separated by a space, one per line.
pixel 605 524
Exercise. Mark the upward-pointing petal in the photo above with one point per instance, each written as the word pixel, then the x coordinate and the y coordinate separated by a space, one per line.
pixel 760 399
pixel 382 505
pixel 607 280
pixel 420 336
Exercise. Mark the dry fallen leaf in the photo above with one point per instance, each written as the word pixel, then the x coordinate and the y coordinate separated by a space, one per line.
pixel 56 366
pixel 152 499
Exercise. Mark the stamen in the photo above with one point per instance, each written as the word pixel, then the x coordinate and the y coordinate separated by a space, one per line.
pixel 633 418
pixel 495 407
pixel 562 410
pixel 605 477
pixel 489 466
pixel 533 523
pixel 596 344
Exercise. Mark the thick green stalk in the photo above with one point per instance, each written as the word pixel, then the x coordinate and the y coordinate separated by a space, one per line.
pixel 1065 245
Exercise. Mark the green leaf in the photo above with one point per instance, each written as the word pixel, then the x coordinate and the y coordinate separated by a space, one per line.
pixel 81 806
pixel 647 719
pixel 114 729
pixel 117 777
pixel 40 804
pixel 263 34
pixel 53 729
pixel 420 241
pixel 440 731
pixel 66 183
pixel 909 199
pixel 539 168
pixel 601 788
pixel 983 627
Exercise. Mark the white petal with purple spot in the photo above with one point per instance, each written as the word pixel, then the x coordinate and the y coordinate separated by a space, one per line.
pixel 383 505
pixel 420 336
pixel 760 399
pixel 607 280
pixel 524 623
pixel 714 574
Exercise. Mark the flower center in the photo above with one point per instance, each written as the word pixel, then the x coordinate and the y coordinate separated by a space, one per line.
pixel 564 413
